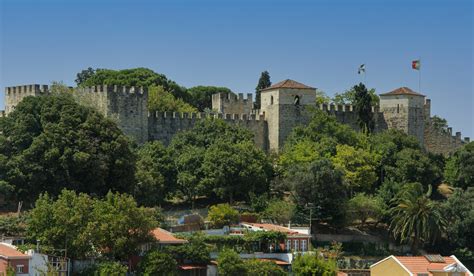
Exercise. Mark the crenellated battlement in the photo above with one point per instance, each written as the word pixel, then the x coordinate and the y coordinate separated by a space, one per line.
pixel 442 141
pixel 342 108
pixel 203 115
pixel 232 103
pixel 27 89
pixel 113 89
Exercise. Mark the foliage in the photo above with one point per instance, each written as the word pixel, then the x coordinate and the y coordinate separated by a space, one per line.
pixel 58 87
pixel 322 98
pixel 279 211
pixel 230 264
pixel 88 227
pixel 313 265
pixel 139 77
pixel 51 143
pixel 459 211
pixel 222 215
pixel 358 166
pixel 82 76
pixel 215 158
pixel 439 123
pixel 416 218
pixel 263 82
pixel 263 268
pixel 158 263
pixel 163 101
pixel 110 268
pixel 12 225
pixel 363 107
pixel 155 174
pixel 195 251
pixel 459 170
pixel 318 184
pixel 348 97
pixel 201 96
pixel 363 207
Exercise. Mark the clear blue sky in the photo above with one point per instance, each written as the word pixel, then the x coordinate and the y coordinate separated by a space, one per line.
pixel 228 43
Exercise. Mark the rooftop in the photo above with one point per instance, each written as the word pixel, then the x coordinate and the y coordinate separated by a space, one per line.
pixel 273 227
pixel 402 91
pixel 288 84
pixel 429 263
pixel 165 237
pixel 8 251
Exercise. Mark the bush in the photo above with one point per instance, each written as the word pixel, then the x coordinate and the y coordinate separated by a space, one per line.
pixel 314 265
pixel 267 268
pixel 158 263
pixel 280 211
pixel 229 263
pixel 223 215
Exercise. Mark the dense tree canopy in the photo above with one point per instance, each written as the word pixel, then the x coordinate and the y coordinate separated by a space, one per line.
pixel 263 82
pixel 201 96
pixel 459 170
pixel 51 143
pixel 316 265
pixel 163 101
pixel 363 107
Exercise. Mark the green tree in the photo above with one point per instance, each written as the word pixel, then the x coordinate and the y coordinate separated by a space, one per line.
pixel 82 76
pixel 222 215
pixel 155 174
pixel 313 265
pixel 439 123
pixel 459 211
pixel 241 168
pixel 53 143
pixel 322 98
pixel 263 268
pixel 358 166
pixel 196 251
pixel 263 82
pixel 416 218
pixel 318 184
pixel 363 107
pixel 158 263
pixel 230 264
pixel 201 96
pixel 110 268
pixel 363 207
pixel 89 227
pixel 139 77
pixel 348 97
pixel 160 100
pixel 280 211
pixel 459 170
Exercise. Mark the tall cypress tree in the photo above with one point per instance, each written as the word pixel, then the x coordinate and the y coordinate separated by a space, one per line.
pixel 363 107
pixel 263 83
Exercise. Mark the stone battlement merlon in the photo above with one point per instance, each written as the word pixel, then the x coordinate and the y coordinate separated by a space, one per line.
pixel 342 108
pixel 114 89
pixel 31 88
pixel 203 115
pixel 233 98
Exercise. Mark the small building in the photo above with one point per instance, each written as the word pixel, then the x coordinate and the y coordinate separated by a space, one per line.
pixel 29 263
pixel 297 240
pixel 428 265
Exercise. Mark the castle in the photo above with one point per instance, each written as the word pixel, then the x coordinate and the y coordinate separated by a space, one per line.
pixel 284 105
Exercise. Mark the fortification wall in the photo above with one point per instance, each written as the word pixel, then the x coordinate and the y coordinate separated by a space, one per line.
pixel 15 94
pixel 442 141
pixel 232 104
pixel 346 114
pixel 162 126
pixel 127 106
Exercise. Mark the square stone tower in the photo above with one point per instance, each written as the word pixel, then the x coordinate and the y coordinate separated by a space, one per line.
pixel 14 94
pixel 284 105
pixel 404 109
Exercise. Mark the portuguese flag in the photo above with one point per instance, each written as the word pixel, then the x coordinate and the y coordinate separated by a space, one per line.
pixel 415 64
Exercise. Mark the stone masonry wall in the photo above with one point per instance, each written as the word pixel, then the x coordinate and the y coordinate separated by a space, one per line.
pixel 15 94
pixel 164 125
pixel 442 141
pixel 232 104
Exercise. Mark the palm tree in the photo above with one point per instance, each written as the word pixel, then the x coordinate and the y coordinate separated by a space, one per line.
pixel 416 218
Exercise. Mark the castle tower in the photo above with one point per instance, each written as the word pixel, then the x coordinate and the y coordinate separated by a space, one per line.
pixel 284 106
pixel 232 104
pixel 404 109
pixel 14 94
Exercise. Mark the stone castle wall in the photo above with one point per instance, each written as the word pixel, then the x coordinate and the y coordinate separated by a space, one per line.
pixel 15 94
pixel 232 104
pixel 162 126
pixel 441 141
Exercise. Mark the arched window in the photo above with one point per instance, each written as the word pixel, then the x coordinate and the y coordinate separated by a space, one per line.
pixel 297 100
pixel 271 100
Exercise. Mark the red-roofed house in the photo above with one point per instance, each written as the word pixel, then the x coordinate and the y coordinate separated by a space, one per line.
pixel 297 240
pixel 428 265
pixel 11 257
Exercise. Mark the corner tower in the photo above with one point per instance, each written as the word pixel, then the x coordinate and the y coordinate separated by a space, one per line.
pixel 404 109
pixel 284 105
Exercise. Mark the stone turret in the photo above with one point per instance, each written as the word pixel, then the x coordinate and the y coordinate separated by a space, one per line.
pixel 404 109
pixel 284 107
pixel 15 94
pixel 232 104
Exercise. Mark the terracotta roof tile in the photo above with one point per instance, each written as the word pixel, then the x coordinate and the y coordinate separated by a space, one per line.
pixel 419 264
pixel 288 84
pixel 165 237
pixel 402 91
pixel 9 251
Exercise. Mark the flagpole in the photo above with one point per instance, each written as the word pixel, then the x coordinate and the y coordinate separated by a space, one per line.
pixel 419 76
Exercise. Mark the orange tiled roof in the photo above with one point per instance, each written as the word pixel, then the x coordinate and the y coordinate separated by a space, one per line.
pixel 402 91
pixel 10 252
pixel 165 237
pixel 288 84
pixel 420 264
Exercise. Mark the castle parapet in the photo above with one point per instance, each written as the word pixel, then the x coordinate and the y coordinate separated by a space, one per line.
pixel 232 103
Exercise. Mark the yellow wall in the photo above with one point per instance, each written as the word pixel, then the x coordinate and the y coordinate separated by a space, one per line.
pixel 388 267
